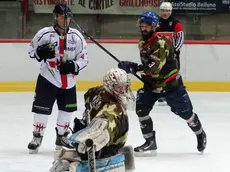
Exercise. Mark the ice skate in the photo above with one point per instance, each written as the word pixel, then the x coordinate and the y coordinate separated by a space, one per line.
pixel 147 149
pixel 201 141
pixel 62 140
pixel 36 142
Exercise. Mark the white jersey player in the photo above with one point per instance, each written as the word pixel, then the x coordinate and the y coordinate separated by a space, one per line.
pixel 62 55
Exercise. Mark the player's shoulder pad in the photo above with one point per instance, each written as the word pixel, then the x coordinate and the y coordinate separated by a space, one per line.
pixel 175 21
pixel 45 30
pixel 76 32
pixel 92 91
pixel 163 41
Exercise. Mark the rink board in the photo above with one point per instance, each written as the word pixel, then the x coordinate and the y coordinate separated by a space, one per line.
pixel 204 65
pixel 84 85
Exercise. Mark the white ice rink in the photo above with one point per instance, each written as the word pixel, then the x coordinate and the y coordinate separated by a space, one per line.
pixel 176 143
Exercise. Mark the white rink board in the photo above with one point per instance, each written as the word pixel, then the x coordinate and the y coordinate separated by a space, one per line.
pixel 198 62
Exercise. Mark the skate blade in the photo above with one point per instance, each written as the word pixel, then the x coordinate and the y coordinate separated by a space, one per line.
pixel 148 153
pixel 201 151
pixel 162 104
pixel 58 147
pixel 33 151
pixel 57 153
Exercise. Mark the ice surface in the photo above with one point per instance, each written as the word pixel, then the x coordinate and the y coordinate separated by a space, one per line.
pixel 176 143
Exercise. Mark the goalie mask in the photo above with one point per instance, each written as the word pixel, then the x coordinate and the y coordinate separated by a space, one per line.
pixel 117 82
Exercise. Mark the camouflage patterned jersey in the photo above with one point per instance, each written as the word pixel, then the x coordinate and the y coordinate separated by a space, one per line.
pixel 104 105
pixel 160 67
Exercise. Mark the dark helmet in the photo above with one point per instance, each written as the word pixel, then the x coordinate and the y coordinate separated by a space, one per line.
pixel 61 9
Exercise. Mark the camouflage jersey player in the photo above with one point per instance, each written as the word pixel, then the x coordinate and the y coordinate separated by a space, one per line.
pixel 160 74
pixel 106 109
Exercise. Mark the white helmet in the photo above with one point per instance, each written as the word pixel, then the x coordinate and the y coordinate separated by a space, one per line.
pixel 117 82
pixel 166 6
pixel 165 10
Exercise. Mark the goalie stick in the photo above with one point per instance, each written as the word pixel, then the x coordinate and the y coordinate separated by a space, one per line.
pixel 91 155
pixel 89 143
pixel 99 45
pixel 105 50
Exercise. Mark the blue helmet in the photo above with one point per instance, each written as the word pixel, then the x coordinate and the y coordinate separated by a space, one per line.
pixel 149 17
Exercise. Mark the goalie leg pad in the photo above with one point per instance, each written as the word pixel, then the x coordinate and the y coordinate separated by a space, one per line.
pixel 115 163
pixel 129 158
pixel 66 154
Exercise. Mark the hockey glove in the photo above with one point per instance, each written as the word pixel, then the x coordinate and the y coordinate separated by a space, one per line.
pixel 68 67
pixel 79 124
pixel 129 67
pixel 46 51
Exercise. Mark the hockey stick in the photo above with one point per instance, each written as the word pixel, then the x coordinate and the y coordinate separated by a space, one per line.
pixel 63 44
pixel 65 29
pixel 62 38
pixel 91 155
pixel 99 45
pixel 89 143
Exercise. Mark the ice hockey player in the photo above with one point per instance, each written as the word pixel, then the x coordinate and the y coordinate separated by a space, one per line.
pixel 172 29
pixel 60 66
pixel 159 70
pixel 105 122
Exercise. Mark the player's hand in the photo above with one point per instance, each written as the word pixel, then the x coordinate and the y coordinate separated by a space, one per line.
pixel 68 67
pixel 46 51
pixel 177 53
pixel 129 67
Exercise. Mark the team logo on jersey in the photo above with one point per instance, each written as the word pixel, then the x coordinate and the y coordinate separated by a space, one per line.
pixel 32 44
pixel 70 48
pixel 71 42
pixel 170 23
pixel 55 44
pixel 82 56
pixel 67 48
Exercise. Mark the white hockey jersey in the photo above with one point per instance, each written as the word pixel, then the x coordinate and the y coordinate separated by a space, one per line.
pixel 75 50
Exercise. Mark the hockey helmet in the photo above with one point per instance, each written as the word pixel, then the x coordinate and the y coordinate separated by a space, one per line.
pixel 150 18
pixel 61 9
pixel 166 6
pixel 117 82
pixel 165 10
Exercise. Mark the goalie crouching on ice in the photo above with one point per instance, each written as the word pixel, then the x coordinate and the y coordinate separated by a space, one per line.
pixel 105 122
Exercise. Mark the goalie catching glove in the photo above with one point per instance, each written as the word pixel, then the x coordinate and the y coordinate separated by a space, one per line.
pixel 96 131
